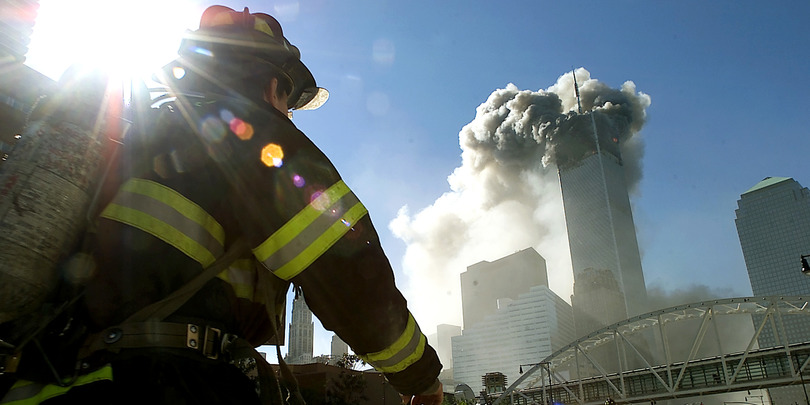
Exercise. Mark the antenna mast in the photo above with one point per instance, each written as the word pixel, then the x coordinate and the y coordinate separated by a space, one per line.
pixel 576 89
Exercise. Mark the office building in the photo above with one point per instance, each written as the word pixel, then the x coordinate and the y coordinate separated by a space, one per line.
pixel 511 317
pixel 524 330
pixel 338 349
pixel 485 282
pixel 302 331
pixel 601 231
pixel 773 224
pixel 442 342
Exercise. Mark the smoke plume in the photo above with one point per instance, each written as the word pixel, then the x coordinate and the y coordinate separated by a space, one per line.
pixel 505 196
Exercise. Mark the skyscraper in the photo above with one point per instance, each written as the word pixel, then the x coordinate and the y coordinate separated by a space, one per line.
pixel 773 224
pixel 302 331
pixel 601 231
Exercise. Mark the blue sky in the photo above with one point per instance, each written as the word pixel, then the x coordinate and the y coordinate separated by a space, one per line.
pixel 726 80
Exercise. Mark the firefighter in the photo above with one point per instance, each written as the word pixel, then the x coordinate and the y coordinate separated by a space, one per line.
pixel 217 166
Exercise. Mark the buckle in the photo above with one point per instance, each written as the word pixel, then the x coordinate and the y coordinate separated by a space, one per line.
pixel 9 362
pixel 211 343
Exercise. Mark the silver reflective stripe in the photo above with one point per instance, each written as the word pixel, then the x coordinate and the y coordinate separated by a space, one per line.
pixel 311 233
pixel 406 350
pixel 169 216
pixel 412 351
pixel 177 220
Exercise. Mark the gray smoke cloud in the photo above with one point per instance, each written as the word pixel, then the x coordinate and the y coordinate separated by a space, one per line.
pixel 505 196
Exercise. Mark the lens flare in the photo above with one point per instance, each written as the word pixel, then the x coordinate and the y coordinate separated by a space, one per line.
pixel 272 155
pixel 320 201
pixel 298 181
pixel 212 129
pixel 202 51
pixel 178 72
pixel 242 129
pixel 226 115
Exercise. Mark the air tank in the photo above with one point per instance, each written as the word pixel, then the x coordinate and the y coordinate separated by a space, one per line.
pixel 46 187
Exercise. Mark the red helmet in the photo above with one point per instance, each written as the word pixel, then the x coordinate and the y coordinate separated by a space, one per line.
pixel 254 42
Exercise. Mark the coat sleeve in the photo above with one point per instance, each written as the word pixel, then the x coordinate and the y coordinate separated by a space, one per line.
pixel 306 226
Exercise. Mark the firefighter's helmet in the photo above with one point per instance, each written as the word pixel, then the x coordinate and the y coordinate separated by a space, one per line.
pixel 231 45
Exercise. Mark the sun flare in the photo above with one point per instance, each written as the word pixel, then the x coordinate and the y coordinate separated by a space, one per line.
pixel 126 38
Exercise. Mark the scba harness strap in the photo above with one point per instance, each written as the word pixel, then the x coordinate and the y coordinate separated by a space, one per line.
pixel 209 341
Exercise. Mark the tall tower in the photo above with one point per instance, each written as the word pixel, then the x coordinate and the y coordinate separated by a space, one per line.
pixel 773 224
pixel 301 333
pixel 601 232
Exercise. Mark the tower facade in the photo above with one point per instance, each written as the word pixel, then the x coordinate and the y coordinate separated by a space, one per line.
pixel 522 331
pixel 302 330
pixel 773 224
pixel 338 349
pixel 442 342
pixel 601 231
pixel 511 317
pixel 485 282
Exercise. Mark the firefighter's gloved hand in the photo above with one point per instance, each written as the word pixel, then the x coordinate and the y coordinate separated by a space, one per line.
pixel 433 396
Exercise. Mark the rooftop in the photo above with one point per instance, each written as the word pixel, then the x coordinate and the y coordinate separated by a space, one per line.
pixel 766 182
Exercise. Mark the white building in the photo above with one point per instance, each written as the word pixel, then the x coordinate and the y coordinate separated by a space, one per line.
pixel 485 282
pixel 521 331
pixel 442 343
pixel 773 224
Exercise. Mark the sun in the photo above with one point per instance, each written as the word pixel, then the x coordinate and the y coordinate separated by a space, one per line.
pixel 126 38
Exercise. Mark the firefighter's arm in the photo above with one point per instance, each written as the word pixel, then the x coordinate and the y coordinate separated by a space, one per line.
pixel 307 226
pixel 351 289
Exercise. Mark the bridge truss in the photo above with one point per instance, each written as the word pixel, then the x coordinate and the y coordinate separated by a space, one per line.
pixel 694 349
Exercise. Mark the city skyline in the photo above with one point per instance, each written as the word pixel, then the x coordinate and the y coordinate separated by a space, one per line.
pixel 726 111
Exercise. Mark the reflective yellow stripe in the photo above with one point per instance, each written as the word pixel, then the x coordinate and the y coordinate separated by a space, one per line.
pixel 311 232
pixel 406 350
pixel 27 392
pixel 169 216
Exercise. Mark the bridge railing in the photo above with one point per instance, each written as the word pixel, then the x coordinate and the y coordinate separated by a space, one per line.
pixel 643 358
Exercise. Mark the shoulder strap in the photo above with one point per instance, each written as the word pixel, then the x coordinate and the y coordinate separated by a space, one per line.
pixel 165 307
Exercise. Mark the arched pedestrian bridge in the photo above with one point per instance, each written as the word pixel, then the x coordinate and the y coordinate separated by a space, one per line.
pixel 703 348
